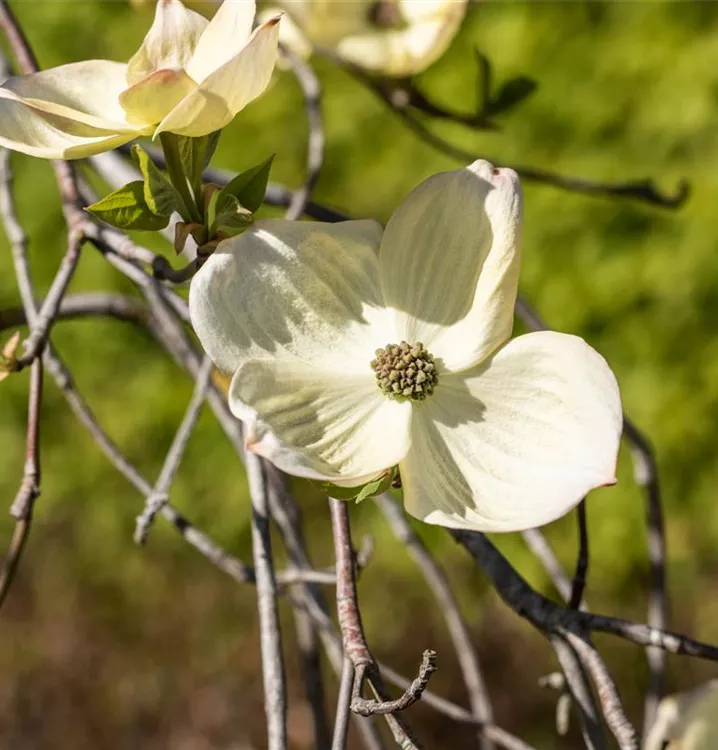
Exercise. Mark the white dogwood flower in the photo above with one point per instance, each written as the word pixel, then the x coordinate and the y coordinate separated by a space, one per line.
pixel 354 349
pixel 391 37
pixel 189 77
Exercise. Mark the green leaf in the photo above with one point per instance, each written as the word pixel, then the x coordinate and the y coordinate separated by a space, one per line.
pixel 362 492
pixel 227 214
pixel 513 92
pixel 159 193
pixel 196 153
pixel 126 209
pixel 212 141
pixel 250 186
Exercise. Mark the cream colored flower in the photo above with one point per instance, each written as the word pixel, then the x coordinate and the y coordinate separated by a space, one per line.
pixel 687 721
pixel 390 37
pixel 488 433
pixel 189 77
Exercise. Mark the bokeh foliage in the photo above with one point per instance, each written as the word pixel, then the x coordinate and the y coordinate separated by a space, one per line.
pixel 120 646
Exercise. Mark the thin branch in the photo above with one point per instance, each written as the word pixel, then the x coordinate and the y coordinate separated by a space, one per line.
pixel 344 699
pixel 547 616
pixel 20 535
pixel 275 690
pixel 50 307
pixel 23 504
pixel 644 190
pixel 645 473
pixel 314 605
pixel 580 691
pixel 26 60
pixel 163 271
pixel 287 516
pixel 369 707
pixel 458 630
pixel 613 710
pixel 405 94
pixel 159 496
pixel 316 608
pixel 353 639
pixel 85 305
pixel 455 712
pixel 539 546
pixel 311 91
pixel 29 491
pixel 579 577
pixel 197 539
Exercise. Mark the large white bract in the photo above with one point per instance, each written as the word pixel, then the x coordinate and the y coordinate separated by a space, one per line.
pixel 513 435
pixel 390 37
pixel 189 77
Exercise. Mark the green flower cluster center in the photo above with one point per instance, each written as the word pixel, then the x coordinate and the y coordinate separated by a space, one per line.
pixel 405 371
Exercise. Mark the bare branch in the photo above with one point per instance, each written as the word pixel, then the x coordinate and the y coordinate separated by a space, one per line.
pixel 26 60
pixel 547 615
pixel 645 473
pixel 159 496
pixel 86 305
pixel 50 307
pixel 536 542
pixel 311 91
pixel 579 577
pixel 353 640
pixel 411 695
pixel 344 699
pixel 459 632
pixel 164 271
pixel 644 190
pixel 287 516
pixel 275 691
pixel 579 690
pixel 29 491
pixel 613 710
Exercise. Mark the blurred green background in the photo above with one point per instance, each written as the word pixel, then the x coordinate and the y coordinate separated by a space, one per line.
pixel 107 645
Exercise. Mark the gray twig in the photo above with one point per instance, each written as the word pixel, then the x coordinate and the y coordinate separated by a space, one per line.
pixel 275 691
pixel 536 542
pixel 29 491
pixel 344 699
pixel 613 710
pixel 353 639
pixel 85 305
pixel 458 630
pixel 312 93
pixel 645 473
pixel 579 690
pixel 159 496
pixel 312 599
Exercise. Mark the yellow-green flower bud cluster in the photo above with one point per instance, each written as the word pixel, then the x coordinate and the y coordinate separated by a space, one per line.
pixel 405 371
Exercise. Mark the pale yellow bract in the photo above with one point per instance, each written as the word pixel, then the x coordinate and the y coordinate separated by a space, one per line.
pixel 513 434
pixel 388 37
pixel 190 77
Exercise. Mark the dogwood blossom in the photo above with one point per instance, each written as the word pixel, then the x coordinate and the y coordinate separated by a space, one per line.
pixel 391 37
pixel 354 349
pixel 189 77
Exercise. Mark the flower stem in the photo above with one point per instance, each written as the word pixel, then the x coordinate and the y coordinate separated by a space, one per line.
pixel 176 172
